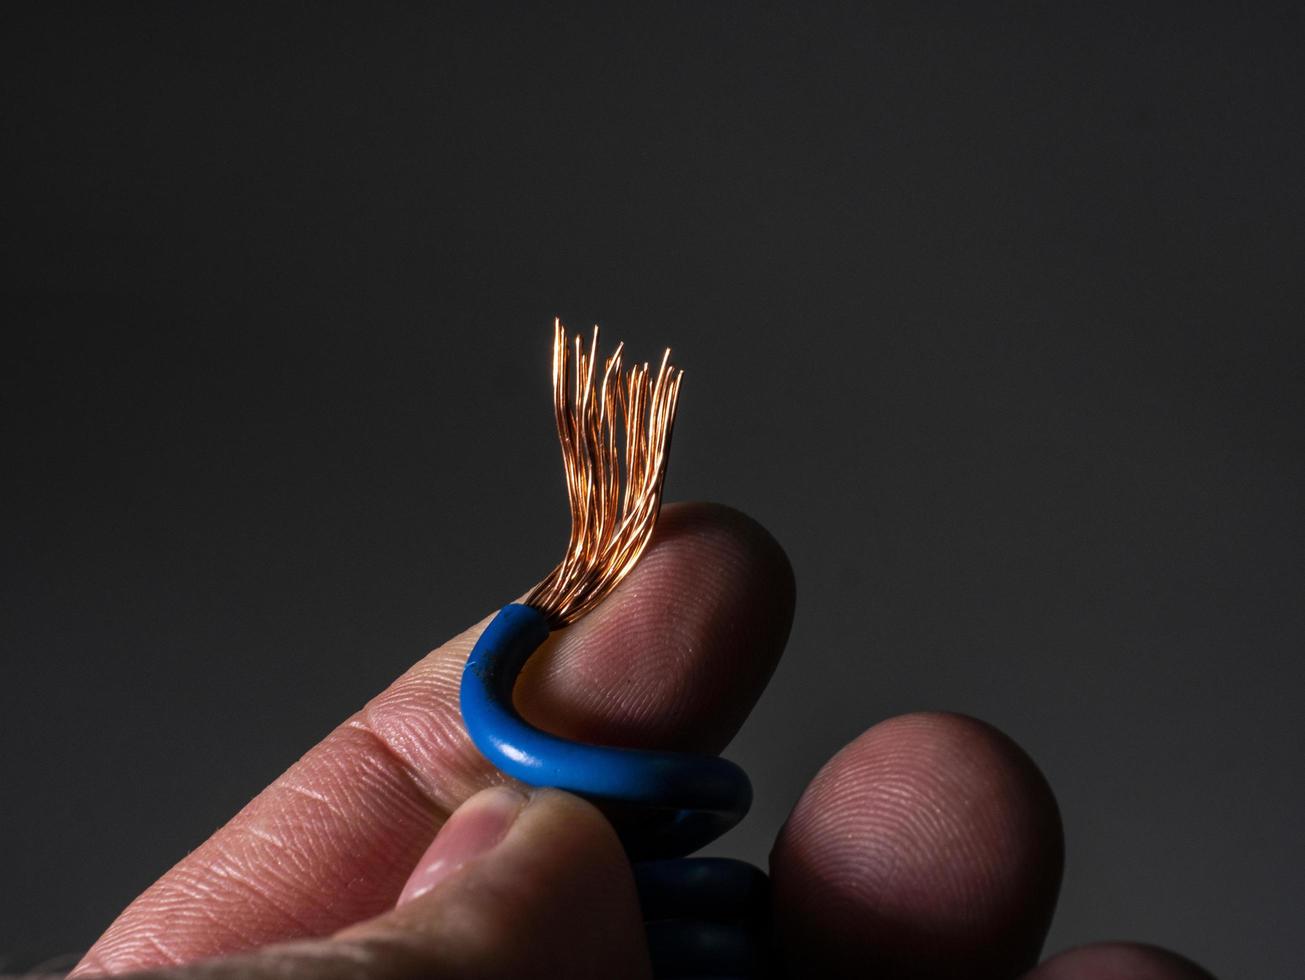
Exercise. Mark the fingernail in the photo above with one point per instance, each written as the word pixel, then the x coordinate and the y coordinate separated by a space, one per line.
pixel 474 828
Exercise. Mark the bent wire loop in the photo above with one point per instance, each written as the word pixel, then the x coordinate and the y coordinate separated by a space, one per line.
pixel 705 917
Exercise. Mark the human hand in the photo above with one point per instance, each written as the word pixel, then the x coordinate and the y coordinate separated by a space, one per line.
pixel 928 847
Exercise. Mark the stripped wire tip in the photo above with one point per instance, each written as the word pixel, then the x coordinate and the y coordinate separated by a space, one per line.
pixel 614 485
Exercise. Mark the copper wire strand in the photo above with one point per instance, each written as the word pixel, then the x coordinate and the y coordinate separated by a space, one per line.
pixel 613 485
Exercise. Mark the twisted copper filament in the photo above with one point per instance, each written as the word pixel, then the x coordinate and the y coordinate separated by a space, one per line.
pixel 614 486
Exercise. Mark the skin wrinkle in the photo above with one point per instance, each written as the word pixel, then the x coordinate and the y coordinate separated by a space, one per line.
pixel 382 763
pixel 424 737
pixel 269 848
pixel 358 767
pixel 376 785
pixel 202 916
pixel 290 786
pixel 357 811
pixel 261 899
pixel 409 727
pixel 246 905
pixel 289 880
pixel 258 908
pixel 156 944
pixel 267 837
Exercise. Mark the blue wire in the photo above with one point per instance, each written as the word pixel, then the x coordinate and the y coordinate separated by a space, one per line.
pixel 705 916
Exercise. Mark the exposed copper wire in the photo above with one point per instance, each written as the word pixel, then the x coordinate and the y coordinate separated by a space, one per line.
pixel 614 486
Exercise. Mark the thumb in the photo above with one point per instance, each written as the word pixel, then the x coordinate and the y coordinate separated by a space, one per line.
pixel 515 885
pixel 521 886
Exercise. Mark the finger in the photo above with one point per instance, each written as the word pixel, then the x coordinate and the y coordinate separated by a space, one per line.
pixel 928 847
pixel 512 887
pixel 1118 961
pixel 677 655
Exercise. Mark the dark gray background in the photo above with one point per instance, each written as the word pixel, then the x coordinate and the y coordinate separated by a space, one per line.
pixel 993 317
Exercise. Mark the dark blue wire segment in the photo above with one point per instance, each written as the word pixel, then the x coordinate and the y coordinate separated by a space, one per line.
pixel 705 915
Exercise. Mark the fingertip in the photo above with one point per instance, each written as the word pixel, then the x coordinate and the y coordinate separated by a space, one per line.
pixel 471 831
pixel 929 844
pixel 1118 961
pixel 546 890
pixel 679 653
pixel 732 535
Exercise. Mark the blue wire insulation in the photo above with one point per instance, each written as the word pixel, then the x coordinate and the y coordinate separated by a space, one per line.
pixel 704 914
